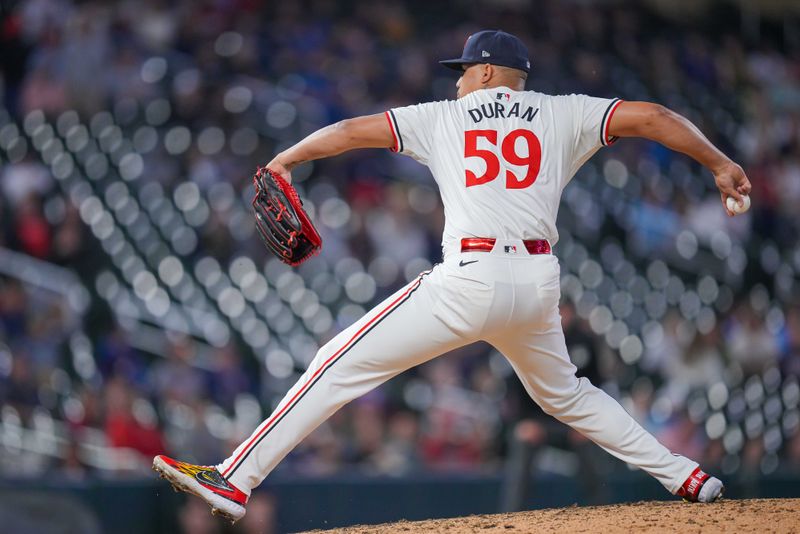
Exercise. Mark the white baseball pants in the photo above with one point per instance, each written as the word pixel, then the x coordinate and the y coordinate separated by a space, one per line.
pixel 507 299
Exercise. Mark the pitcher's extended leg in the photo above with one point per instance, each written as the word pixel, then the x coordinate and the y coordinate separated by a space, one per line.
pixel 541 362
pixel 398 334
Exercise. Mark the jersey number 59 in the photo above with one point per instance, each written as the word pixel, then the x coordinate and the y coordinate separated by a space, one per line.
pixel 508 147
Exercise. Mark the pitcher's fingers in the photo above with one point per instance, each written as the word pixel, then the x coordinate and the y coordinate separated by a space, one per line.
pixel 280 170
pixel 725 204
pixel 745 188
pixel 731 191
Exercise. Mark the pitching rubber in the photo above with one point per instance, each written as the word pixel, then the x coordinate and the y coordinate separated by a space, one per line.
pixel 219 505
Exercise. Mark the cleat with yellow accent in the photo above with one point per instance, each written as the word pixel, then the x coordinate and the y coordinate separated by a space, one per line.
pixel 225 499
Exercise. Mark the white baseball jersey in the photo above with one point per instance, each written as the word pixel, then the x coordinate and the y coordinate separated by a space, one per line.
pixel 501 158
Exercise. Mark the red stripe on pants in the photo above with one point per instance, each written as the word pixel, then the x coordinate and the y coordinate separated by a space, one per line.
pixel 322 368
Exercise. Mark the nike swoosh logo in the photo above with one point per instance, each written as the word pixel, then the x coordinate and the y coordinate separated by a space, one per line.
pixel 463 263
pixel 219 484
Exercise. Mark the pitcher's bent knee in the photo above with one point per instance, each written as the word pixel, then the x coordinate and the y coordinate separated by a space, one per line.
pixel 560 402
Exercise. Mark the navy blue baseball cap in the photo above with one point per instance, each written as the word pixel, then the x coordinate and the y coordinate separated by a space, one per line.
pixel 495 47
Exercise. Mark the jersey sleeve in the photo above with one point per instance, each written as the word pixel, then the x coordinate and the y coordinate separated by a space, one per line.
pixel 413 129
pixel 594 115
pixel 590 119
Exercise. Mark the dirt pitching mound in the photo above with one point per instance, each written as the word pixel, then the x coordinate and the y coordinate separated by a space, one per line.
pixel 728 515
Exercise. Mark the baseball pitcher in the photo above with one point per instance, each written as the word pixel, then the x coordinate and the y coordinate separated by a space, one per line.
pixel 501 157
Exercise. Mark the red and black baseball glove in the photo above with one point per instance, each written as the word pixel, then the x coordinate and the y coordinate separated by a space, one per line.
pixel 281 220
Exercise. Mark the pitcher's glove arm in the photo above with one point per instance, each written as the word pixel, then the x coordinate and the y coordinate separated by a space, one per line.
pixel 281 220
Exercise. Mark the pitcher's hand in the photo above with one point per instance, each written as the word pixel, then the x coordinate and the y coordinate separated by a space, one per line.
pixel 731 182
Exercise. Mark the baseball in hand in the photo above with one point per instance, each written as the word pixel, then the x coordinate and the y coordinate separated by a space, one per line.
pixel 735 207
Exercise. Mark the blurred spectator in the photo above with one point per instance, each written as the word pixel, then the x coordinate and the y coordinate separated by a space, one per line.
pixel 71 466
pixel 655 224
pixel 188 432
pixel 42 90
pixel 13 309
pixel 87 412
pixel 698 366
pixel 116 357
pixel 69 245
pixel 682 436
pixel 320 454
pixel 456 434
pixel 399 455
pixel 22 389
pixel 128 422
pixel 367 436
pixel 749 342
pixel 229 377
pixel 31 229
pixel 85 54
pixel 176 378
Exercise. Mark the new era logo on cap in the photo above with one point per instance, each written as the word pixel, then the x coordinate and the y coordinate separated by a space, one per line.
pixel 495 47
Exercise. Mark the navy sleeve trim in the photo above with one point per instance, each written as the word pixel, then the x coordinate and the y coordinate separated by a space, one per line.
pixel 605 139
pixel 396 131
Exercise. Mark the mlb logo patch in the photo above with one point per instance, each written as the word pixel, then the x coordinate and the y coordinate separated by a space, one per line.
pixel 504 96
pixel 511 249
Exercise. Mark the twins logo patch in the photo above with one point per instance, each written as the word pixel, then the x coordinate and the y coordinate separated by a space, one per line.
pixel 510 249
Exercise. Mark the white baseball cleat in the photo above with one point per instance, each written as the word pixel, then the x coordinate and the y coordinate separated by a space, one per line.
pixel 225 499
pixel 701 487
